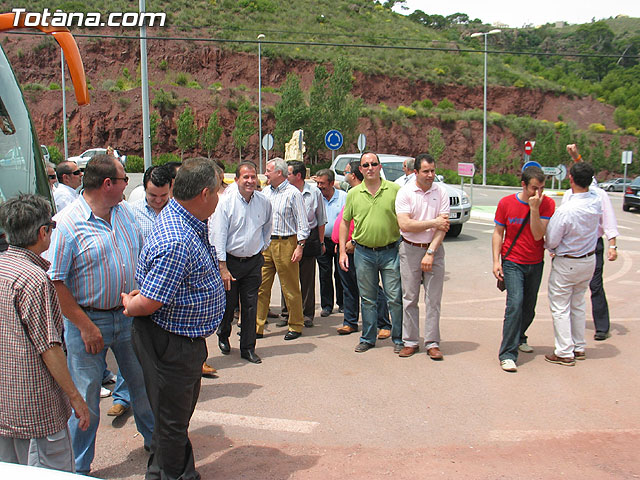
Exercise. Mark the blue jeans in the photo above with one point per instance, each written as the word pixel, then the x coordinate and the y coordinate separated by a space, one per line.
pixel 522 282
pixel 86 372
pixel 121 393
pixel 370 266
pixel 351 296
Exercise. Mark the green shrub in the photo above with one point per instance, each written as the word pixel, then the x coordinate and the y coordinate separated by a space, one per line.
pixel 597 128
pixel 54 154
pixel 109 85
pixel 194 84
pixel 166 158
pixel 124 102
pixel 182 79
pixel 54 86
pixel 406 111
pixel 163 65
pixel 135 164
pixel 165 101
pixel 217 86
pixel 34 87
pixel 446 104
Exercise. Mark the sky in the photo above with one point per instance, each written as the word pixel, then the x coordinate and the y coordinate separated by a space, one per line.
pixel 518 13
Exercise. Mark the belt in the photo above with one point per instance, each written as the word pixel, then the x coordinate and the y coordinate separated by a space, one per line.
pixel 581 256
pixel 421 245
pixel 242 259
pixel 92 309
pixel 280 237
pixel 378 249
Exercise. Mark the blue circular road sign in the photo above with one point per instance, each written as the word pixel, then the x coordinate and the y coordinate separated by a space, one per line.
pixel 531 164
pixel 333 139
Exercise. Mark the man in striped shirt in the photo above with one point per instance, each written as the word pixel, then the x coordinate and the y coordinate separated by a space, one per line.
pixel 93 256
pixel 289 234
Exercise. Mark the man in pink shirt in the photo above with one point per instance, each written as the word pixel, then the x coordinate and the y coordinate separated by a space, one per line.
pixel 422 208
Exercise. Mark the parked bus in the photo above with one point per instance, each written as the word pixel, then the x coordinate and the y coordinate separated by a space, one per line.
pixel 22 168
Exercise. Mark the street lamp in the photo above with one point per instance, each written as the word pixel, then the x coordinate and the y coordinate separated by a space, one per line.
pixel 484 123
pixel 260 37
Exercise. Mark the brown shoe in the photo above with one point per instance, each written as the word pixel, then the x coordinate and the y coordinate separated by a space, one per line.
pixel 408 351
pixel 553 358
pixel 116 410
pixel 384 333
pixel 579 355
pixel 435 353
pixel 207 370
pixel 346 330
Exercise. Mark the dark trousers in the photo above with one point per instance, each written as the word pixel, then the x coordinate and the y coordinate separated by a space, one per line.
pixel 172 369
pixel 248 275
pixel 351 295
pixel 599 305
pixel 328 271
pixel 307 266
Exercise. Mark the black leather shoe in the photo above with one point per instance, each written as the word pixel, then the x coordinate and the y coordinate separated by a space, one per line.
pixel 225 348
pixel 251 356
pixel 292 335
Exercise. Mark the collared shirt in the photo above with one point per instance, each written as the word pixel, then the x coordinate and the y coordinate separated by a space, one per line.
pixel 316 214
pixel 238 227
pixel 178 268
pixel 32 404
pixel 573 229
pixel 405 179
pixel 376 223
pixel 289 214
pixel 63 195
pixel 95 259
pixel 144 215
pixel 421 205
pixel 333 207
pixel 608 225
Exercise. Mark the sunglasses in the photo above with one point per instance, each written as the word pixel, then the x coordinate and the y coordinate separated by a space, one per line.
pixel 52 177
pixel 367 165
pixel 51 224
pixel 125 178
pixel 77 172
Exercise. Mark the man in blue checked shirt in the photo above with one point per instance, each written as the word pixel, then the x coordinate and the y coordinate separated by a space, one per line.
pixel 180 302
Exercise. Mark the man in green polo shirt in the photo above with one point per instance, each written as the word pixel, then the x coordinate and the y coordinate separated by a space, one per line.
pixel 371 206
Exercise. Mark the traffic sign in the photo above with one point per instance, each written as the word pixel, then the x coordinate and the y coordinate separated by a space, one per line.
pixel 466 169
pixel 563 172
pixel 267 141
pixel 528 147
pixel 551 171
pixel 333 139
pixel 627 157
pixel 531 164
pixel 362 142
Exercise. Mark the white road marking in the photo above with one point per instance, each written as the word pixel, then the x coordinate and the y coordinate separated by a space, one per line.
pixel 259 423
pixel 628 239
pixel 519 435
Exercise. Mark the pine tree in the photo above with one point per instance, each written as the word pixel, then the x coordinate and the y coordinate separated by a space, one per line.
pixel 211 135
pixel 187 132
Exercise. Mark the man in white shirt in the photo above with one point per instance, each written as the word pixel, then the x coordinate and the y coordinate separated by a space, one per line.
pixel 422 208
pixel 240 229
pixel 571 238
pixel 69 179
pixel 608 227
pixel 157 182
pixel 409 173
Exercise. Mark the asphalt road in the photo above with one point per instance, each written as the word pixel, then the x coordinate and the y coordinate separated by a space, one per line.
pixel 315 409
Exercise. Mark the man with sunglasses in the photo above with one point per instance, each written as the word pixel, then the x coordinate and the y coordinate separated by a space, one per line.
pixel 69 179
pixel 371 205
pixel 36 387
pixel 93 253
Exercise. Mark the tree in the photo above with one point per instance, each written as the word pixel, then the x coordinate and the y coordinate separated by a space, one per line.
pixel 187 131
pixel 436 143
pixel 245 126
pixel 291 112
pixel 211 135
pixel 319 119
pixel 343 108
pixel 154 121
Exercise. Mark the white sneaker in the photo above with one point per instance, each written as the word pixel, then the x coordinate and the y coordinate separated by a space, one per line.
pixel 104 392
pixel 524 347
pixel 111 378
pixel 508 365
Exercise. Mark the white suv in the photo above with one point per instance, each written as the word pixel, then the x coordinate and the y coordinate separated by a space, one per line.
pixel 392 170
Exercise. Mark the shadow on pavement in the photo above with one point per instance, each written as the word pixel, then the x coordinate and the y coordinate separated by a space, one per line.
pixel 219 390
pixel 256 462
pixel 454 348
pixel 134 464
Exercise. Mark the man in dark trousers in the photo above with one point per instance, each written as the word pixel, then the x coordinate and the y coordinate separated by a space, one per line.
pixel 180 303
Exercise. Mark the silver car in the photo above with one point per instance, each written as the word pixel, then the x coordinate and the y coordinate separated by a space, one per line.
pixel 392 170
pixel 614 185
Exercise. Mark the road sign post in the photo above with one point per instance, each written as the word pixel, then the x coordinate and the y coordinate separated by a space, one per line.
pixel 627 158
pixel 362 142
pixel 267 144
pixel 466 170
pixel 333 140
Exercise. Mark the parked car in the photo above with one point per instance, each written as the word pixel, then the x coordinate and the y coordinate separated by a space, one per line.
pixel 82 159
pixel 459 202
pixel 632 195
pixel 614 185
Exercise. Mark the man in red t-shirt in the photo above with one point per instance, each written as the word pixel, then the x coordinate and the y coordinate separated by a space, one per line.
pixel 520 268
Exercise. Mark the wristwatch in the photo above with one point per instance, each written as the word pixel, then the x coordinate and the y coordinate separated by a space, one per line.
pixel 301 243
pixel 615 247
pixel 430 251
pixel 353 242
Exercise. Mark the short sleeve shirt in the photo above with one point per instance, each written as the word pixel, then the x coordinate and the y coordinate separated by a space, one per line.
pixel 510 214
pixel 421 205
pixel 376 223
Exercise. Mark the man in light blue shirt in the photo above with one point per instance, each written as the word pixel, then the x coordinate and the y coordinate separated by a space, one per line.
pixel 240 229
pixel 333 200
pixel 157 182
